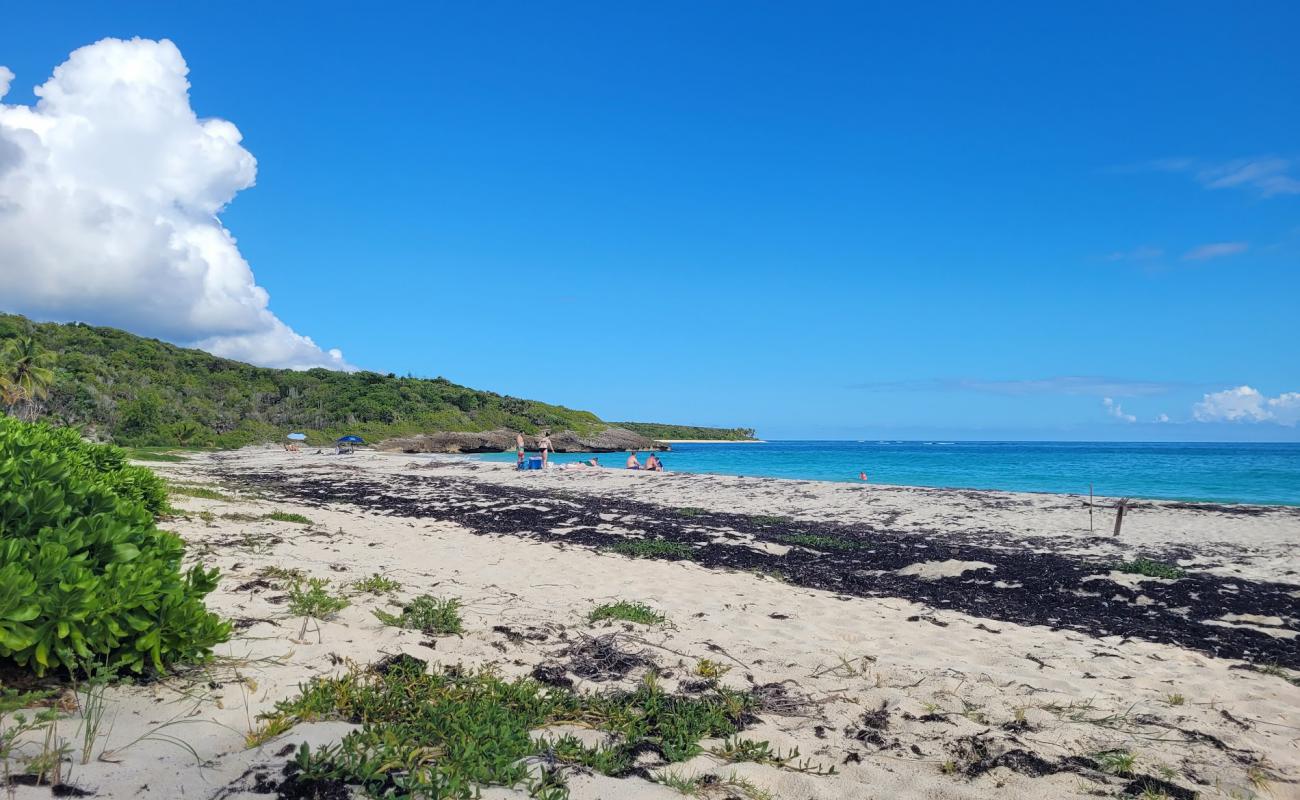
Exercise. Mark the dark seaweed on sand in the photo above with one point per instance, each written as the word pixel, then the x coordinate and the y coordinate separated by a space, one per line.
pixel 1032 587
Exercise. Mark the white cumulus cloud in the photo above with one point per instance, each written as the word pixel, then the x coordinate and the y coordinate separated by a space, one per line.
pixel 1246 404
pixel 110 187
pixel 1116 410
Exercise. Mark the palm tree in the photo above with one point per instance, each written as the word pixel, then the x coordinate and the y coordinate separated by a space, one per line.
pixel 26 372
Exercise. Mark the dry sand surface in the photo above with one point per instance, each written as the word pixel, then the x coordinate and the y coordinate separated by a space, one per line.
pixel 927 643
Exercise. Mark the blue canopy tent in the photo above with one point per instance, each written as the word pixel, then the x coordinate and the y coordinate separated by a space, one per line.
pixel 345 444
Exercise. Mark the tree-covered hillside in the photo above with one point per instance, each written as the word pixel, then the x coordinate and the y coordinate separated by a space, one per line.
pixel 662 432
pixel 140 391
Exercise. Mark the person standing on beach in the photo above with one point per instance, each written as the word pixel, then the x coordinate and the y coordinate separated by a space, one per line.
pixel 519 450
pixel 544 444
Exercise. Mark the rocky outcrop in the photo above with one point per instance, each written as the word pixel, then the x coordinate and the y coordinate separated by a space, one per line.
pixel 609 440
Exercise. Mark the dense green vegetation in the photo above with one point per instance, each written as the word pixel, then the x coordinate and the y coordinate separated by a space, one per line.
pixel 142 392
pixel 87 581
pixel 655 430
pixel 466 730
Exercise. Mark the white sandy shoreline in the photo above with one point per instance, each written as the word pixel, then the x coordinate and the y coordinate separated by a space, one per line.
pixel 944 678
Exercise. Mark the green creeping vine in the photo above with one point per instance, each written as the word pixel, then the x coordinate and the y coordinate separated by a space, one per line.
pixel 449 732
pixel 85 576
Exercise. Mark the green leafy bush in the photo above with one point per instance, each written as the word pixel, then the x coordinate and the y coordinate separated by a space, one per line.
pixel 85 576
pixel 105 465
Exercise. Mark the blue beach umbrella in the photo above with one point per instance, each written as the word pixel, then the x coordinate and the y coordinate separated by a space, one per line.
pixel 352 439
pixel 297 437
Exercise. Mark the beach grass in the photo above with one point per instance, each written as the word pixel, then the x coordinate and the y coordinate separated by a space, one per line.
pixel 239 516
pixel 141 454
pixel 377 584
pixel 1151 569
pixel 626 611
pixel 276 572
pixel 706 785
pixel 200 492
pixel 284 516
pixel 819 542
pixel 737 750
pixel 653 548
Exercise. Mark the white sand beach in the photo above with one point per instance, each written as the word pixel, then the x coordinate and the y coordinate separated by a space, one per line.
pixel 913 678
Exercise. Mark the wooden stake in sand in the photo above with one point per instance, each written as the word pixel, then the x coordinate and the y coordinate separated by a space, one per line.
pixel 1119 513
pixel 1091 530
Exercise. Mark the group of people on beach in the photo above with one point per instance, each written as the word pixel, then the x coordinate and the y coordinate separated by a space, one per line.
pixel 652 462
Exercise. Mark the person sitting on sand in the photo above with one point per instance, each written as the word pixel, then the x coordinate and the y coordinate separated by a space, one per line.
pixel 632 462
pixel 594 462
pixel 653 463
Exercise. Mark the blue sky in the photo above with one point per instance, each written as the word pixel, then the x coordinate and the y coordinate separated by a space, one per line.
pixel 842 221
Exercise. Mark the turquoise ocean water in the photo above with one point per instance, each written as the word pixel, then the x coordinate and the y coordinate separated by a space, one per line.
pixel 1229 473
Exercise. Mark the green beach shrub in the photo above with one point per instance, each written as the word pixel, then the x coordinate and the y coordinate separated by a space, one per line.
pixel 105 465
pixel 85 575
pixel 315 600
pixel 428 614
pixel 481 728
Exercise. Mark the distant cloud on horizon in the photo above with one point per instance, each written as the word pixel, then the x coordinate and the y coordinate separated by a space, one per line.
pixel 110 188
pixel 1247 404
pixel 1117 411
pixel 1206 252
pixel 1267 176
pixel 1065 385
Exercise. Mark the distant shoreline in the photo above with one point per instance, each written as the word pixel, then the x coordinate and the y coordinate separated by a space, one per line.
pixel 712 441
